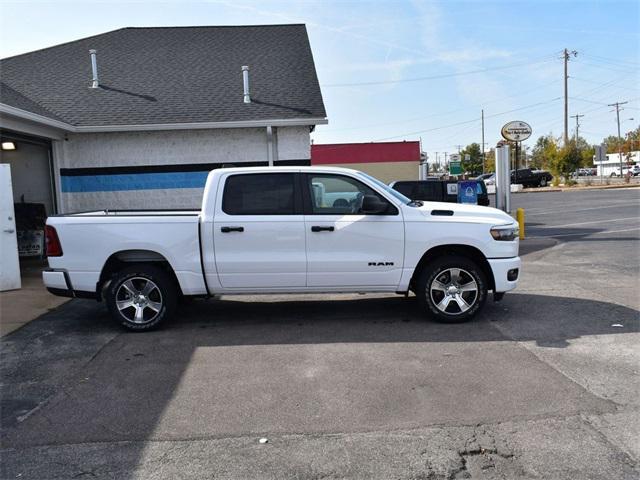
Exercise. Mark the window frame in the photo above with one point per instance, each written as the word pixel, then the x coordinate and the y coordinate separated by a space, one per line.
pixel 305 181
pixel 297 195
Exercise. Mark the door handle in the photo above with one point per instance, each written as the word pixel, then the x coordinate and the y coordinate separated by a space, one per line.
pixel 318 228
pixel 8 230
pixel 231 229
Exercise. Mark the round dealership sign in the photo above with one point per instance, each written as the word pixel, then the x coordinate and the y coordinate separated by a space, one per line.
pixel 516 131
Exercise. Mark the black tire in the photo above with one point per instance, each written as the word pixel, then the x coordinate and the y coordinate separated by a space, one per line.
pixel 439 270
pixel 543 182
pixel 157 305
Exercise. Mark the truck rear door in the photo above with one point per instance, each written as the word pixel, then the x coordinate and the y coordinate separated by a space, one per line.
pixel 259 232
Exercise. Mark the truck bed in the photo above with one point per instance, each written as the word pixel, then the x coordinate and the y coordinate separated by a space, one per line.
pixel 131 213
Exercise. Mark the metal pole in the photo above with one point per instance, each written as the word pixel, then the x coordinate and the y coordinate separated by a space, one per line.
pixel 515 161
pixel 619 138
pixel 602 160
pixel 482 140
pixel 503 179
pixel 566 102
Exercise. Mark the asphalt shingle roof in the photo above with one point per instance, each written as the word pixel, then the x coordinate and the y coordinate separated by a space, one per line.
pixel 169 75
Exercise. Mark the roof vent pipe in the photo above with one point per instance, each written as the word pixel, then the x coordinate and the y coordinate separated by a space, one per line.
pixel 245 82
pixel 94 69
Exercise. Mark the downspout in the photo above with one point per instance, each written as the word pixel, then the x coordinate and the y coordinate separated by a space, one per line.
pixel 272 152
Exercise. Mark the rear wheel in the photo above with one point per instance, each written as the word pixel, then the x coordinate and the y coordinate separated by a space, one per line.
pixel 452 289
pixel 141 297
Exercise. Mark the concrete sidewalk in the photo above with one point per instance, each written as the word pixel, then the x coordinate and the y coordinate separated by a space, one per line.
pixel 18 307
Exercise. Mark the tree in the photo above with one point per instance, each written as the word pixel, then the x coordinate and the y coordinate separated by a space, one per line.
pixel 490 161
pixel 539 154
pixel 474 164
pixel 565 160
pixel 613 143
pixel 631 142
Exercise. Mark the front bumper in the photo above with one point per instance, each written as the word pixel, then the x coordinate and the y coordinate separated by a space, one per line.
pixel 503 270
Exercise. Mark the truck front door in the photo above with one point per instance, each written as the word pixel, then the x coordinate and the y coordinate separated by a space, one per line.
pixel 258 232
pixel 346 247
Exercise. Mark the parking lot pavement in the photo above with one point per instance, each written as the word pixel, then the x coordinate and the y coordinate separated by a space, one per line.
pixel 541 385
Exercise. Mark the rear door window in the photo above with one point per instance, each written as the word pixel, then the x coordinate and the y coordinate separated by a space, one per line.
pixel 260 194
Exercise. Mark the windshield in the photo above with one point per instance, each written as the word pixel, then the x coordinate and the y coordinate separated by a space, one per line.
pixel 387 188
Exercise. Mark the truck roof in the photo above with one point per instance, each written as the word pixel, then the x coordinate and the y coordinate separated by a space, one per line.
pixel 293 168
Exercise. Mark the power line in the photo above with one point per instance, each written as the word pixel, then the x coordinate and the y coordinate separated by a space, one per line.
pixel 433 77
pixel 588 101
pixel 440 114
pixel 612 60
pixel 608 82
pixel 630 69
pixel 470 121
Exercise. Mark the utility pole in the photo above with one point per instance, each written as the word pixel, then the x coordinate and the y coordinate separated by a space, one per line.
pixel 566 54
pixel 459 147
pixel 482 140
pixel 577 117
pixel 617 105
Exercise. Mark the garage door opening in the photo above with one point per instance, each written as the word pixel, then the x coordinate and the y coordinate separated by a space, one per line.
pixel 32 181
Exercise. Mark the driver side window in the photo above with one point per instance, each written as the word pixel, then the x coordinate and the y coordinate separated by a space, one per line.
pixel 337 194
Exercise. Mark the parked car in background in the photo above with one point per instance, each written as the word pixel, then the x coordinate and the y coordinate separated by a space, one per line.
pixel 530 178
pixel 437 190
pixel 625 171
pixel 635 170
pixel 266 230
pixel 487 178
pixel 582 172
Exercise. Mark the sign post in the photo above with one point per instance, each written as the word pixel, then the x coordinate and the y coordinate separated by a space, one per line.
pixel 601 157
pixel 516 131
pixel 503 179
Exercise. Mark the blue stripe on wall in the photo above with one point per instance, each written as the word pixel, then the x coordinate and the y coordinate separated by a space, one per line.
pixel 133 181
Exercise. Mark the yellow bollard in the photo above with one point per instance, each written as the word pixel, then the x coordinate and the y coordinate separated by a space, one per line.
pixel 520 218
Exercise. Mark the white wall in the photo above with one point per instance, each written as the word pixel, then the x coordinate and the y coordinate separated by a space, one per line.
pixel 293 143
pixel 119 149
pixel 612 164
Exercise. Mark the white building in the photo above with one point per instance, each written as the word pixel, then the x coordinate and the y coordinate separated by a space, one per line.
pixel 611 167
pixel 140 123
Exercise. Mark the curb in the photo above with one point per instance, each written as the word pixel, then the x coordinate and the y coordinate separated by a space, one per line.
pixel 577 189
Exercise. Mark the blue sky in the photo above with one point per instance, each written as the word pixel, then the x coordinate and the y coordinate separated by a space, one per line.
pixel 410 70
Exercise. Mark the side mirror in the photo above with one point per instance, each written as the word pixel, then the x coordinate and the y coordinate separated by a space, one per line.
pixel 371 204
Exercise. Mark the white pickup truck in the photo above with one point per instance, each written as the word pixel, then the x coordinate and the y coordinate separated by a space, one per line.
pixel 285 230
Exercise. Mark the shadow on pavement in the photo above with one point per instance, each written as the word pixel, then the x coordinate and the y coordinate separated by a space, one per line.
pixel 367 362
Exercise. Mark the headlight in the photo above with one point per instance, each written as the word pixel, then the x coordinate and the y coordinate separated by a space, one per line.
pixel 505 233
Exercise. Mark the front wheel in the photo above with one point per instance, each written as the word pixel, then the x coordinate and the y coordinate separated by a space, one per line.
pixel 452 289
pixel 141 297
pixel 543 182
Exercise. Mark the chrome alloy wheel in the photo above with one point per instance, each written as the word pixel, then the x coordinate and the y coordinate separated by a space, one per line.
pixel 139 300
pixel 453 291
